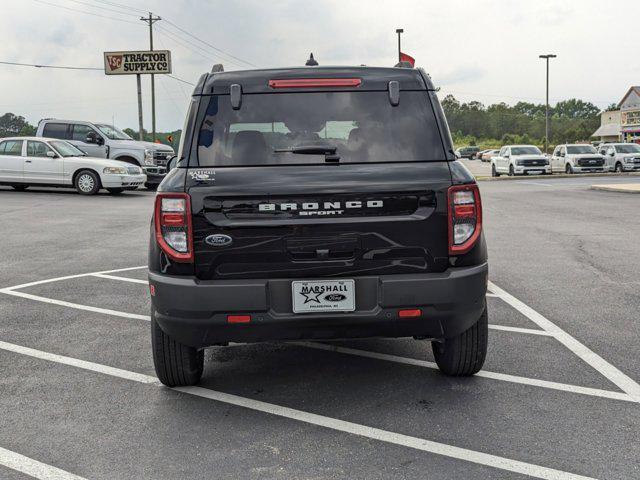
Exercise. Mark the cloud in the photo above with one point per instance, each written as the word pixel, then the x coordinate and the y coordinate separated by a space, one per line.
pixel 486 46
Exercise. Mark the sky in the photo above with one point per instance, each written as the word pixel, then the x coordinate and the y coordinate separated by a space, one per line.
pixel 485 50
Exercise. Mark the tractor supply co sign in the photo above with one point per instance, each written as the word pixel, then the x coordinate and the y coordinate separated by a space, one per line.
pixel 137 62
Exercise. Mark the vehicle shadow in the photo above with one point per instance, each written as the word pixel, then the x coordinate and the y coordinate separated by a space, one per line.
pixel 71 191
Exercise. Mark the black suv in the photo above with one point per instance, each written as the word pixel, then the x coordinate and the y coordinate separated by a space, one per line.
pixel 316 203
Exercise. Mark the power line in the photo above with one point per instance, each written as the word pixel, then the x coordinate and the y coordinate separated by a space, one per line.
pixel 208 44
pixel 115 4
pixel 85 12
pixel 174 25
pixel 103 8
pixel 181 80
pixel 66 67
pixel 181 41
pixel 62 67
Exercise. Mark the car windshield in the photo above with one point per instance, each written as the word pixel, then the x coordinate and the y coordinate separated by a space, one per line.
pixel 112 132
pixel 309 128
pixel 631 148
pixel 65 149
pixel 580 149
pixel 525 151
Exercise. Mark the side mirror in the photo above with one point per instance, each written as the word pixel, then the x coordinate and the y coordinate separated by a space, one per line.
pixel 51 154
pixel 171 163
pixel 91 138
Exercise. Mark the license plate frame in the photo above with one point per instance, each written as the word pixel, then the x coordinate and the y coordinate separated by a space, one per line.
pixel 310 296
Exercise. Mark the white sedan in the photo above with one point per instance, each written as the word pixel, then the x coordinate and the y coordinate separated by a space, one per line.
pixel 26 161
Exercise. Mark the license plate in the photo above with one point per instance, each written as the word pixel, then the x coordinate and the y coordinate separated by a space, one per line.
pixel 323 296
pixel 534 172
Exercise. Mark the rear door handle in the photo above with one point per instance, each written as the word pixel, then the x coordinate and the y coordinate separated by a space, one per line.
pixel 27 161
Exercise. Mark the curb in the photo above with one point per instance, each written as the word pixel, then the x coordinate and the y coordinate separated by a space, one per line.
pixel 627 188
pixel 557 175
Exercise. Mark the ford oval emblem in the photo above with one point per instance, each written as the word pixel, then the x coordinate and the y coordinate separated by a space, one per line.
pixel 218 240
pixel 335 297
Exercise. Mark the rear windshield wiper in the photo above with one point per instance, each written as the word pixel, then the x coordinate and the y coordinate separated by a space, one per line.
pixel 329 151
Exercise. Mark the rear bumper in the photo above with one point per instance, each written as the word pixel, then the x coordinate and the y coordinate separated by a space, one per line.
pixel 195 312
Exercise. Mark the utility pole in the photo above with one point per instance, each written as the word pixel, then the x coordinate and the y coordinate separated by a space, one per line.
pixel 546 115
pixel 151 20
pixel 399 31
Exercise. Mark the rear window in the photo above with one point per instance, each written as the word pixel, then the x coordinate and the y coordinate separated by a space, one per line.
pixel 56 130
pixel 361 126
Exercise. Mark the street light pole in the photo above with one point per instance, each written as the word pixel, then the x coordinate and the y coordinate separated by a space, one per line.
pixel 546 114
pixel 399 32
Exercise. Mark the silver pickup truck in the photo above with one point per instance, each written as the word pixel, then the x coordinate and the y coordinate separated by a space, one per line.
pixel 107 141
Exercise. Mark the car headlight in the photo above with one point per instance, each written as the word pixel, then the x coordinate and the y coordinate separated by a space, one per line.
pixel 148 157
pixel 115 170
pixel 519 163
pixel 628 160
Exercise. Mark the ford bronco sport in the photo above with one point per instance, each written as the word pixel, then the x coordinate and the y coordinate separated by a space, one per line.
pixel 316 203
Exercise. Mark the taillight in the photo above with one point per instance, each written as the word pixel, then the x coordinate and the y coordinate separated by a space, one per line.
pixel 465 217
pixel 173 226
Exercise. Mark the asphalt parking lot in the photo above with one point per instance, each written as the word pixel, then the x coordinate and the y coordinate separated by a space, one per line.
pixel 557 399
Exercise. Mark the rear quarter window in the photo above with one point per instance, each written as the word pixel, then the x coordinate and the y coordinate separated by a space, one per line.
pixel 363 127
pixel 56 130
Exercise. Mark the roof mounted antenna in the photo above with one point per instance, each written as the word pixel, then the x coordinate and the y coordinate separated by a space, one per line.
pixel 312 61
pixel 217 68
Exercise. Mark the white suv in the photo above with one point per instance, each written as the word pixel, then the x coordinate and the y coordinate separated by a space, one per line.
pixel 519 160
pixel 577 158
pixel 621 157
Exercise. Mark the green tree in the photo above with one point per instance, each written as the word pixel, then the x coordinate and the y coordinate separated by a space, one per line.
pixel 12 125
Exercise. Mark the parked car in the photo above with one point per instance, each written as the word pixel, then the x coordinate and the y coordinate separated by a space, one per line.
pixel 26 161
pixel 576 158
pixel 467 152
pixel 520 160
pixel 101 140
pixel 488 155
pixel 621 157
pixel 322 204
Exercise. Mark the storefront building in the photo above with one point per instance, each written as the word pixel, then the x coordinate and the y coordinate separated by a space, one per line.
pixel 610 127
pixel 630 115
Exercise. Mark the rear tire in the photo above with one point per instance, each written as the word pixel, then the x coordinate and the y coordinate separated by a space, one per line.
pixel 20 188
pixel 463 355
pixel 87 183
pixel 176 365
pixel 115 191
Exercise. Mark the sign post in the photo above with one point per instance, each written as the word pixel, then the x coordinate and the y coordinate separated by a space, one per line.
pixel 140 134
pixel 138 62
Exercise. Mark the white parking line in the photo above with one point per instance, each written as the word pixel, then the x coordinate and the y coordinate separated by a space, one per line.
pixel 386 436
pixel 69 277
pixel 74 362
pixel 33 468
pixel 77 306
pixel 549 329
pixel 624 382
pixel 122 279
pixel 594 392
pixel 528 331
